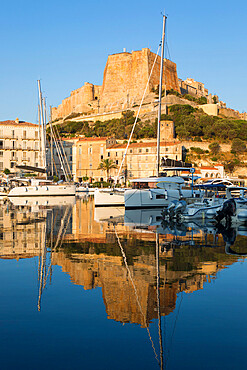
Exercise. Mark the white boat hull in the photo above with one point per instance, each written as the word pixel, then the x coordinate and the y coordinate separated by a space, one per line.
pixel 108 197
pixel 149 198
pixel 42 191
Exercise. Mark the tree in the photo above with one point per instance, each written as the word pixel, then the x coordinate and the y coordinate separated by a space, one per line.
pixel 107 165
pixel 214 147
pixel 238 146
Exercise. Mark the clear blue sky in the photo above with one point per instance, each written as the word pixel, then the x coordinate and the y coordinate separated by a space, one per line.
pixel 66 43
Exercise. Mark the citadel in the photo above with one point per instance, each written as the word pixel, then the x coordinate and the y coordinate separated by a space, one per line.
pixel 125 78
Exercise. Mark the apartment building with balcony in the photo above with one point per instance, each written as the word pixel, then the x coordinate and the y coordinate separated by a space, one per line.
pixel 19 144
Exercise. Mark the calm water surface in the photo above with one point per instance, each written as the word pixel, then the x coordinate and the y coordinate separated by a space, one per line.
pixel 99 289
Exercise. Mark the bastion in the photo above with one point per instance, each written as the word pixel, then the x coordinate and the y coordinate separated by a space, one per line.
pixel 124 81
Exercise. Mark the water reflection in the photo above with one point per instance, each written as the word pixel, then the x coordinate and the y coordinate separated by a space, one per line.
pixel 141 264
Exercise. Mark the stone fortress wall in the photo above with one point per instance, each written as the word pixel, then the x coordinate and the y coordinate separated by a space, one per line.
pixel 124 81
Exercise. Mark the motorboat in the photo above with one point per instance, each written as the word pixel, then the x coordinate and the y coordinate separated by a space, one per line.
pixel 158 192
pixel 232 207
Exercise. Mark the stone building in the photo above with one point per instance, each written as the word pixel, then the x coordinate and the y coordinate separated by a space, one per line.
pixel 192 87
pixel 140 160
pixel 19 144
pixel 124 81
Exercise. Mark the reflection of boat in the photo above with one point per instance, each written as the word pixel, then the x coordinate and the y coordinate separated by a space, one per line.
pixel 142 217
pixel 109 214
pixel 43 201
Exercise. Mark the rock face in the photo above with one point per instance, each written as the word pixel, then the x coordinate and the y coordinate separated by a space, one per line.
pixel 124 82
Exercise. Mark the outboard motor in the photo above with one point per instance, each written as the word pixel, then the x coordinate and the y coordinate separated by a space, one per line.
pixel 227 210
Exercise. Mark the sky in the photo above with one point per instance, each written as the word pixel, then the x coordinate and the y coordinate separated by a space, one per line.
pixel 66 43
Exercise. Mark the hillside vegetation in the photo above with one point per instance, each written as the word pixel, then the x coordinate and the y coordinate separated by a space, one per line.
pixel 190 124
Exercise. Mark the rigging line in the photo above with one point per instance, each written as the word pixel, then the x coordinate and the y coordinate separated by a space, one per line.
pixel 59 239
pixel 63 152
pixel 136 294
pixel 174 328
pixel 59 155
pixel 132 131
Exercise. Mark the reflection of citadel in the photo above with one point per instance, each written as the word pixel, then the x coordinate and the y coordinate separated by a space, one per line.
pixel 90 254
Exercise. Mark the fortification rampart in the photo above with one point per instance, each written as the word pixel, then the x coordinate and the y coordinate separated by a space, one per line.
pixel 124 81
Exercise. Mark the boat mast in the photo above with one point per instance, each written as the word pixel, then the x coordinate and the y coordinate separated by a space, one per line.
pixel 43 127
pixel 160 94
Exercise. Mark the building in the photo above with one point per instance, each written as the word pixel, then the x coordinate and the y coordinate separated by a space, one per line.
pixel 192 87
pixel 66 149
pixel 19 144
pixel 140 160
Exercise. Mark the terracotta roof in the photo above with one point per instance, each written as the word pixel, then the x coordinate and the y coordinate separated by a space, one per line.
pixel 143 145
pixel 208 168
pixel 21 123
pixel 92 139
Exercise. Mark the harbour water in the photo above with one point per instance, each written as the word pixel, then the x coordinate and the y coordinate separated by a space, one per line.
pixel 103 289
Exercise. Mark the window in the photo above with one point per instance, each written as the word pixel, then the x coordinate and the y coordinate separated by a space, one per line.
pixel 12 164
pixel 24 134
pixel 90 150
pixel 36 145
pixel 1 144
pixel 1 154
pixel 116 161
pixel 116 154
pixel 12 155
pixel 13 133
pixel 166 149
pixel 130 166
pixel 36 134
pixel 108 154
pixel 36 155
pixel 101 157
pixel 13 144
pixel 24 156
pixel 24 145
pixel 80 151
pixel 147 150
pixel 131 151
pixel 1 165
pixel 160 196
pixel 140 150
pixel 146 157
pixel 90 165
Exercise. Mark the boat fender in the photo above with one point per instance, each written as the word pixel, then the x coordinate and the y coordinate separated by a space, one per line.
pixel 150 194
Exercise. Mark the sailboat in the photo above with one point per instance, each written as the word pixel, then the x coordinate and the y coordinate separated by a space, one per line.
pixel 158 191
pixel 44 187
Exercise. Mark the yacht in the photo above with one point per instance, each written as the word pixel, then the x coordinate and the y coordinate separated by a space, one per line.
pixel 158 192
pixel 42 187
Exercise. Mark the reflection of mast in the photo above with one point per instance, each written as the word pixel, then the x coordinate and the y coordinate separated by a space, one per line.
pixel 42 267
pixel 135 290
pixel 44 270
pixel 158 300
